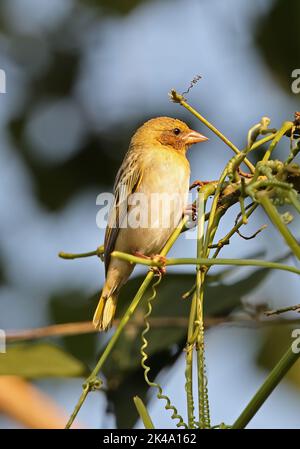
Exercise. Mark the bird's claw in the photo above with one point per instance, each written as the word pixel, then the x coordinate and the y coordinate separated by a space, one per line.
pixel 191 211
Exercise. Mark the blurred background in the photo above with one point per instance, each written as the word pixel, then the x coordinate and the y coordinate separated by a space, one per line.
pixel 81 76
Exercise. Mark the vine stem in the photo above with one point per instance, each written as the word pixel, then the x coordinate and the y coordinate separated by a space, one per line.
pixel 286 126
pixel 143 412
pixel 203 403
pixel 276 375
pixel 206 262
pixel 274 216
pixel 193 330
pixel 90 381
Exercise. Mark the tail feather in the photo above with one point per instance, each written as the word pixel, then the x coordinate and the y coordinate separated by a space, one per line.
pixel 105 312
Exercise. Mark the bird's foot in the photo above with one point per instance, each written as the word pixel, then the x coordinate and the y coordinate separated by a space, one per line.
pixel 157 258
pixel 191 211
pixel 161 270
pixel 199 183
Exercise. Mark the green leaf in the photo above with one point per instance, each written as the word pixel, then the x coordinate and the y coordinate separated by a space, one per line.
pixel 34 361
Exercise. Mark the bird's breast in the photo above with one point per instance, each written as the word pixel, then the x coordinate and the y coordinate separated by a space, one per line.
pixel 165 171
pixel 157 205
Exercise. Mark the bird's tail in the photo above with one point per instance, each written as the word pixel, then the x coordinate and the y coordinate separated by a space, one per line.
pixel 105 311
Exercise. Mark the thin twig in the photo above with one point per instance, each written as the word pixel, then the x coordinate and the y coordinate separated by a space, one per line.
pixel 177 98
pixel 295 308
pixel 86 327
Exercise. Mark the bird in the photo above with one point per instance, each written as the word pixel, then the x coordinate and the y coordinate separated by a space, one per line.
pixel 155 164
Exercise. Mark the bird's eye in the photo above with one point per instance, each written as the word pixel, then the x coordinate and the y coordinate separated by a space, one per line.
pixel 176 131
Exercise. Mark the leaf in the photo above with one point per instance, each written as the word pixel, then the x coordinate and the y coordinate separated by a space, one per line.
pixel 34 361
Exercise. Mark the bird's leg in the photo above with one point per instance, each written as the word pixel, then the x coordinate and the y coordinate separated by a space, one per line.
pixel 156 258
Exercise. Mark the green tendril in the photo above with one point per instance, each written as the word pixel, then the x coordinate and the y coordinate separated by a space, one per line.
pixel 146 368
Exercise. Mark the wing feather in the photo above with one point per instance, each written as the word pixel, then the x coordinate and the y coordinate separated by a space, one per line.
pixel 127 180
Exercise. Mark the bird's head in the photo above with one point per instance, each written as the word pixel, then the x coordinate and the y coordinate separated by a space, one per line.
pixel 168 132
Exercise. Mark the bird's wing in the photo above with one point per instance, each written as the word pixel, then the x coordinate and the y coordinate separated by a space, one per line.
pixel 128 178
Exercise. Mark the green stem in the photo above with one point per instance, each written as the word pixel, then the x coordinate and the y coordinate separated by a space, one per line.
pixel 206 262
pixel 274 216
pixel 85 392
pixel 143 413
pixel 203 403
pixel 294 201
pixel 261 142
pixel 286 126
pixel 98 252
pixel 214 216
pixel 276 375
pixel 193 330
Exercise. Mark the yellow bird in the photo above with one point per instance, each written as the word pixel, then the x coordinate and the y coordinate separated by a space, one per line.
pixel 155 170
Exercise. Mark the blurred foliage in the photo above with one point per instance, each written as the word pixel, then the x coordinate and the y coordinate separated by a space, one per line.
pixel 34 361
pixel 56 184
pixel 278 38
pixel 70 307
pixel 116 6
pixel 275 344
pixel 2 272
pixel 123 373
pixel 51 63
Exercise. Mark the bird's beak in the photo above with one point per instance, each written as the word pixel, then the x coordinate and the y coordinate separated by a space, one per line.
pixel 192 137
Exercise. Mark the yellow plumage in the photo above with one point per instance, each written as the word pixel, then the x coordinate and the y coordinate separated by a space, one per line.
pixel 155 163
